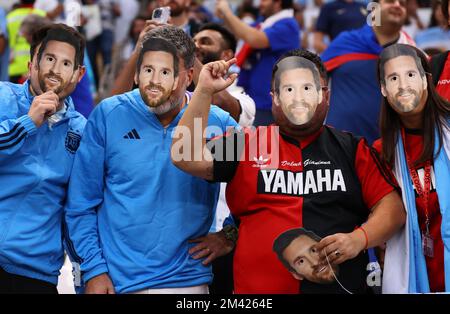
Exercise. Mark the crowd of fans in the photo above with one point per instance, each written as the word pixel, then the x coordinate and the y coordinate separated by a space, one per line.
pixel 117 48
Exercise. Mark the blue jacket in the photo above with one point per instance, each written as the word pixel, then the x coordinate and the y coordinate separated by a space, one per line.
pixel 130 211
pixel 35 165
pixel 256 73
pixel 351 60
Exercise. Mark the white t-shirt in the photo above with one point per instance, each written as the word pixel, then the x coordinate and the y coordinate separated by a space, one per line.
pixel 129 10
pixel 70 15
pixel 247 105
pixel 246 120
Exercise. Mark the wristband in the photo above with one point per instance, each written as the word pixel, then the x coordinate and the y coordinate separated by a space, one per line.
pixel 365 235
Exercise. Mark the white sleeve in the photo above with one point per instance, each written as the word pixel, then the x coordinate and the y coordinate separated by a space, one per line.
pixel 47 5
pixel 248 108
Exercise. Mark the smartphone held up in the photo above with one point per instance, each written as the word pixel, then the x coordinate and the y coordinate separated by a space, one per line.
pixel 161 15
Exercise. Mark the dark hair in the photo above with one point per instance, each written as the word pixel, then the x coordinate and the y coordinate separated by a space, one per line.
pixel 228 37
pixel 436 110
pixel 176 36
pixel 58 32
pixel 37 37
pixel 434 5
pixel 311 56
pixel 395 51
pixel 137 18
pixel 444 9
pixel 33 22
pixel 247 7
pixel 158 44
pixel 286 238
pixel 300 63
pixel 286 4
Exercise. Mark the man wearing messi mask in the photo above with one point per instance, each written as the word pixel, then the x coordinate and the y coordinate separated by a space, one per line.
pixel 40 132
pixel 130 211
pixel 295 173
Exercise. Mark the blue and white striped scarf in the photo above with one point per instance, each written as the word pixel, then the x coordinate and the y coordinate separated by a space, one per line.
pixel 405 269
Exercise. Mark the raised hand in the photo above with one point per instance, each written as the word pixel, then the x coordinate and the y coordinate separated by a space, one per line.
pixel 222 7
pixel 42 107
pixel 214 77
pixel 149 25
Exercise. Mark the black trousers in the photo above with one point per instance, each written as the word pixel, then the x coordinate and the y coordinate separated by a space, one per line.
pixel 16 284
pixel 222 269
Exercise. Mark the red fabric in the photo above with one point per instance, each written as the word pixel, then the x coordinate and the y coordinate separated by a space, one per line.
pixel 264 216
pixel 435 265
pixel 26 6
pixel 256 268
pixel 338 61
pixel 244 52
pixel 443 86
pixel 373 185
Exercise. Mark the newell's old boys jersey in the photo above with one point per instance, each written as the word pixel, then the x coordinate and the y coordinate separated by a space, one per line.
pixel 326 183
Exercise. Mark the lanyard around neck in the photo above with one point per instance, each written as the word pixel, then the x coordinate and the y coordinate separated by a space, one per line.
pixel 423 192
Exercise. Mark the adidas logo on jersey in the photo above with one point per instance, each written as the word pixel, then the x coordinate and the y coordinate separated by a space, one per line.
pixel 132 135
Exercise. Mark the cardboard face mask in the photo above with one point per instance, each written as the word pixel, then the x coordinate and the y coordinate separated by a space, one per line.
pixel 297 89
pixel 157 78
pixel 157 74
pixel 303 258
pixel 404 82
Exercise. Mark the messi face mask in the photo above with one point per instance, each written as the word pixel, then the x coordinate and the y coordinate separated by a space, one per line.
pixel 299 106
pixel 403 79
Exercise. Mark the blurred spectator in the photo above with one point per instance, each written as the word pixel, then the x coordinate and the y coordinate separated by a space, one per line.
pixel 200 13
pixel 179 15
pixel 214 42
pixel 4 47
pixel 20 49
pixel 103 43
pixel 31 23
pixel 307 19
pixel 121 54
pixel 413 23
pixel 351 62
pixel 440 64
pixel 127 46
pixel 247 12
pixel 275 33
pixel 336 17
pixel 424 3
pixel 53 8
pixel 299 17
pixel 437 36
pixel 82 96
pixel 149 6
pixel 130 9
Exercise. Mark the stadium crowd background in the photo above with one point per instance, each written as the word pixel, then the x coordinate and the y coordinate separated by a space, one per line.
pixel 112 28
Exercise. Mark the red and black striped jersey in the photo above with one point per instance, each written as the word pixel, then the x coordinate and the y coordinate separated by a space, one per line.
pixel 326 183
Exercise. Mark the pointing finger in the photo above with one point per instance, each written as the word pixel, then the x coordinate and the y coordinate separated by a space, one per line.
pixel 231 62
